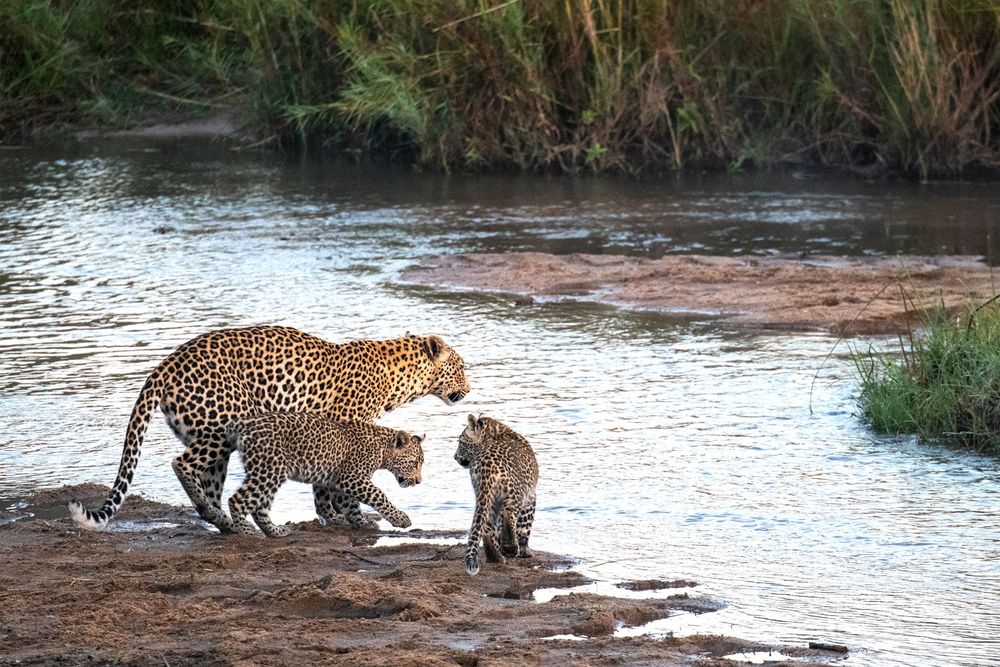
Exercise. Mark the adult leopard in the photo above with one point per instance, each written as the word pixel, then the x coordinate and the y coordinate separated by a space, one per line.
pixel 222 375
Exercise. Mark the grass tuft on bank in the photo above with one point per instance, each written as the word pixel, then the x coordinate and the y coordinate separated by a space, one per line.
pixel 581 85
pixel 944 382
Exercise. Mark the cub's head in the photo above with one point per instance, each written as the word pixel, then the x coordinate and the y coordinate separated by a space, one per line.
pixel 446 376
pixel 405 458
pixel 470 443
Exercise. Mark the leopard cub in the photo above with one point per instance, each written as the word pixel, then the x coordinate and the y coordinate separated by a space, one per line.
pixel 504 475
pixel 338 456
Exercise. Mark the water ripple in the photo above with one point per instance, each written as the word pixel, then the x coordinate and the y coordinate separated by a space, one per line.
pixel 668 448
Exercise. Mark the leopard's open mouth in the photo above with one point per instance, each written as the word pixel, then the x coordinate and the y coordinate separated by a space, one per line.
pixel 463 462
pixel 406 482
pixel 455 397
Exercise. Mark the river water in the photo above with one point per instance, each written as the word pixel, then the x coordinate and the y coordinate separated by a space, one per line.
pixel 669 447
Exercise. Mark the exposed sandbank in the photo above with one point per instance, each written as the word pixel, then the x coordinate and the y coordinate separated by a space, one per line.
pixel 849 295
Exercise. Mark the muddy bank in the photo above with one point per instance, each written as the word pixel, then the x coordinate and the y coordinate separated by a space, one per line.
pixel 849 295
pixel 161 588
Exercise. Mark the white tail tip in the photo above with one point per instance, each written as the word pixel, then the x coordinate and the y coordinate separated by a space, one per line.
pixel 79 514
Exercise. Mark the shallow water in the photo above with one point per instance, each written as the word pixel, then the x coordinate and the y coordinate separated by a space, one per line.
pixel 669 447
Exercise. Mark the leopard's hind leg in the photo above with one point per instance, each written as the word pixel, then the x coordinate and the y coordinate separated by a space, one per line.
pixel 499 529
pixel 525 518
pixel 254 497
pixel 489 501
pixel 201 467
pixel 188 473
pixel 491 546
pixel 262 515
pixel 213 476
pixel 507 526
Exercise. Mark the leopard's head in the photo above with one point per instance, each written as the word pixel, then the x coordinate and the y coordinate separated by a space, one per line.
pixel 405 458
pixel 447 377
pixel 470 443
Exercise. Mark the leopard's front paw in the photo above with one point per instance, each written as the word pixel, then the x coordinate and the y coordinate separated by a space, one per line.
pixel 400 521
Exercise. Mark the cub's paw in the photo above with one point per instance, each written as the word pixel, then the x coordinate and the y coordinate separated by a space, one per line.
pixel 471 563
pixel 226 525
pixel 400 521
pixel 334 521
pixel 280 531
pixel 219 519
pixel 212 515
pixel 509 550
pixel 363 521
pixel 492 552
pixel 525 552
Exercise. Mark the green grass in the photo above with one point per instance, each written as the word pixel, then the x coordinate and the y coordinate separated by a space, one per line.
pixel 580 85
pixel 945 383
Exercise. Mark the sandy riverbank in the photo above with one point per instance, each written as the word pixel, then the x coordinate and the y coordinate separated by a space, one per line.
pixel 854 296
pixel 161 588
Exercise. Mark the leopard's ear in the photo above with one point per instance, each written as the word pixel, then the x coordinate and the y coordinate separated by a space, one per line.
pixel 420 438
pixel 436 349
pixel 477 423
pixel 400 439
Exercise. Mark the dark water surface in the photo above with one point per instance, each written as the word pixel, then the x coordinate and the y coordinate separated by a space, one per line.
pixel 669 447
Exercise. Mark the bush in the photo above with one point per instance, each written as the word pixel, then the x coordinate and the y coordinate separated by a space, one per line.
pixel 945 385
pixel 591 85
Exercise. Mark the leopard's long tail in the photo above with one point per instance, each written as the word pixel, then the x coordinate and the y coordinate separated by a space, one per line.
pixel 142 412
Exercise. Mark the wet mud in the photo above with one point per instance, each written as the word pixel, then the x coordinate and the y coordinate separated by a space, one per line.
pixel 160 587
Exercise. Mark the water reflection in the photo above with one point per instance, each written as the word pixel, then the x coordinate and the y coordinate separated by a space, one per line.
pixel 669 448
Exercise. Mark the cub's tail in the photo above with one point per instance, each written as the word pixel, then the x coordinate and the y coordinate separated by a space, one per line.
pixel 145 405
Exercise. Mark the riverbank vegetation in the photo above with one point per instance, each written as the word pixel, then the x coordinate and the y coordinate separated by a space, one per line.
pixel 944 382
pixel 626 85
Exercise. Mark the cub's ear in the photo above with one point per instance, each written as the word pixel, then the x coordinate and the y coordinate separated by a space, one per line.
pixel 420 438
pixel 436 348
pixel 477 423
pixel 400 439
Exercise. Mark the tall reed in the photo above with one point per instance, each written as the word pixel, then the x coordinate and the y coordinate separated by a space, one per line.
pixel 530 84
pixel 945 382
